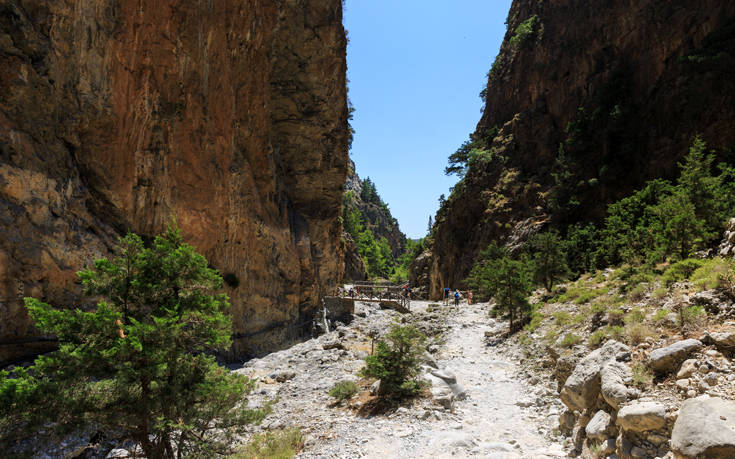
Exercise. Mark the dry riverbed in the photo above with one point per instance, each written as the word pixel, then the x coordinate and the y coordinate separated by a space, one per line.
pixel 502 415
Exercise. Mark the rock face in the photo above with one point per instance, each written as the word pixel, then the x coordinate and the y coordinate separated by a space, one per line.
pixel 622 86
pixel 705 427
pixel 642 416
pixel 117 115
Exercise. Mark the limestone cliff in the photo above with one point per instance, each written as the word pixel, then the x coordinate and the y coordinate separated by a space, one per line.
pixel 621 86
pixel 117 115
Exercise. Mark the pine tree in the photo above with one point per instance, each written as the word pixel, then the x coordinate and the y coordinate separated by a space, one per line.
pixel 139 364
pixel 549 258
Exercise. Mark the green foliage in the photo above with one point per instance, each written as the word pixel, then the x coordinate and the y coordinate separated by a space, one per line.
pixel 275 444
pixel 397 363
pixel 414 248
pixel 570 340
pixel 524 31
pixel 536 319
pixel 505 279
pixel 688 317
pixel 564 200
pixel 343 390
pixel 681 270
pixel 642 375
pixel 562 318
pixel 597 338
pixel 712 273
pixel 549 259
pixel 138 364
pixel 638 332
pixel 581 245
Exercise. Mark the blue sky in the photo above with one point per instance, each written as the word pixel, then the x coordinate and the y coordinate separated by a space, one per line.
pixel 416 69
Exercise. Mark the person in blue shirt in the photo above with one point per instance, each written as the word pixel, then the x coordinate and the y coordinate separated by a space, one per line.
pixel 456 297
pixel 446 295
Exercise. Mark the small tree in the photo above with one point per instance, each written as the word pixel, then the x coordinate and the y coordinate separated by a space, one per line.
pixel 138 364
pixel 397 363
pixel 549 258
pixel 511 281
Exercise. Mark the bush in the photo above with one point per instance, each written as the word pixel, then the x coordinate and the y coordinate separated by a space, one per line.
pixel 396 362
pixel 524 31
pixel 276 444
pixel 711 273
pixel 642 375
pixel 140 364
pixel 536 319
pixel 660 316
pixel 681 270
pixel 343 390
pixel 570 340
pixel 689 317
pixel 596 338
pixel 638 332
pixel 562 318
pixel 635 316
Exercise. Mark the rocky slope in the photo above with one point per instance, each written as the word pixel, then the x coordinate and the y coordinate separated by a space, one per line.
pixel 375 216
pixel 117 116
pixel 621 86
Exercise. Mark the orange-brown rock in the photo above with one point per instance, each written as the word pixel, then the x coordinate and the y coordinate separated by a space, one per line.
pixel 621 86
pixel 118 115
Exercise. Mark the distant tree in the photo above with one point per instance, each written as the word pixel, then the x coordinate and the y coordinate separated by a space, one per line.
pixel 702 187
pixel 564 200
pixel 682 230
pixel 581 244
pixel 138 364
pixel 550 264
pixel 495 274
pixel 430 225
pixel 369 193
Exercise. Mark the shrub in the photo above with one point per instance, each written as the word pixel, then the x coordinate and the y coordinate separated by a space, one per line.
pixel 276 444
pixel 642 375
pixel 616 332
pixel 681 270
pixel 710 274
pixel 660 316
pixel 638 332
pixel 570 340
pixel 524 31
pixel 596 338
pixel 536 319
pixel 660 293
pixel 615 316
pixel 562 318
pixel 343 390
pixel 635 316
pixel 638 292
pixel 397 363
pixel 689 317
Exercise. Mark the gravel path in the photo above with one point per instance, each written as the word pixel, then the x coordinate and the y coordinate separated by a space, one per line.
pixel 501 417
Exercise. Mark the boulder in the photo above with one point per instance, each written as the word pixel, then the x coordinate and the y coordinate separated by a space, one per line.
pixel 451 381
pixel 667 359
pixel 613 379
pixel 642 416
pixel 566 422
pixel 583 386
pixel 705 428
pixel 725 341
pixel 688 368
pixel 600 427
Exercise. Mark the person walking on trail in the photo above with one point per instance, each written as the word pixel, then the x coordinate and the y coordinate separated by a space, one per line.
pixel 456 297
pixel 469 296
pixel 446 295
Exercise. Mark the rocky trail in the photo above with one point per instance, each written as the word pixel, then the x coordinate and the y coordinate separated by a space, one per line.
pixel 500 416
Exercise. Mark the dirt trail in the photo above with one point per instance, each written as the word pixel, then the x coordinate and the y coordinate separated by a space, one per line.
pixel 501 417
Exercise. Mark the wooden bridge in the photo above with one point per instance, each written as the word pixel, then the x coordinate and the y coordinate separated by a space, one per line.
pixel 389 296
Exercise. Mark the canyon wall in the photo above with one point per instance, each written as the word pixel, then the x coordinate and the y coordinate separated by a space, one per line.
pixel 228 115
pixel 620 87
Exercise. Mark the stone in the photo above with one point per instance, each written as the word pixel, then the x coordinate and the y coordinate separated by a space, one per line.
pixel 566 422
pixel 711 379
pixel 375 388
pixel 613 378
pixel 640 416
pixel 608 447
pixel 705 428
pixel 724 341
pixel 285 376
pixel 682 384
pixel 667 359
pixel 688 368
pixel 600 427
pixel 583 386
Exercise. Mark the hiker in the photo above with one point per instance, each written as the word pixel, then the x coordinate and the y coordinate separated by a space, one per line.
pixel 469 296
pixel 456 297
pixel 446 295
